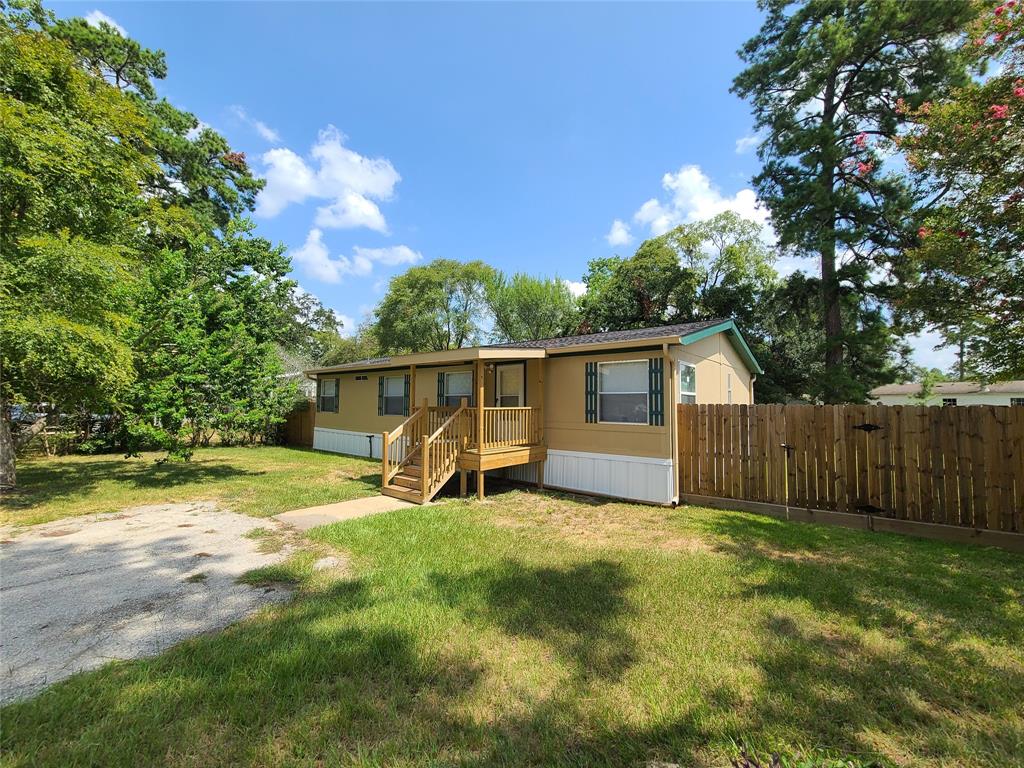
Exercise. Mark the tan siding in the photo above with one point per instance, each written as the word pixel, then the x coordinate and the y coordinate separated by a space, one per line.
pixel 715 358
pixel 565 422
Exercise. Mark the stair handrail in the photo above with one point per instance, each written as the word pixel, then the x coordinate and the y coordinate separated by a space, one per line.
pixel 438 469
pixel 388 470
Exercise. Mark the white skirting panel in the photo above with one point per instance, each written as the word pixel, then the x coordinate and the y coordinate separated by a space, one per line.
pixel 343 441
pixel 626 477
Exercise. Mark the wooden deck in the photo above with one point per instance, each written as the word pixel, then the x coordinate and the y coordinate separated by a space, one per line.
pixel 435 442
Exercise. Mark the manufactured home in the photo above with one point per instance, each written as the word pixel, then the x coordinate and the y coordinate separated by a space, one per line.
pixel 590 413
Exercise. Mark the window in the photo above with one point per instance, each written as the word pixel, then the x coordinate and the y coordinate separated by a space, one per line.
pixel 622 392
pixel 394 395
pixel 949 401
pixel 1017 401
pixel 728 388
pixel 687 384
pixel 458 385
pixel 327 402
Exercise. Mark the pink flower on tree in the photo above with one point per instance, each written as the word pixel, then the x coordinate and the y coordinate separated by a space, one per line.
pixel 1019 92
pixel 999 111
pixel 923 232
pixel 865 168
pixel 861 140
pixel 1000 10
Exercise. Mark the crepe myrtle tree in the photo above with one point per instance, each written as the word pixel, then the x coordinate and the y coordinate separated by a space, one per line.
pixel 968 150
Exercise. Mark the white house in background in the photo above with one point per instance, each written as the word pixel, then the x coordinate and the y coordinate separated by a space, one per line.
pixel 952 393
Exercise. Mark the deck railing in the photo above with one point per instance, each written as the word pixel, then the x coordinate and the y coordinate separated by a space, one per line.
pixel 502 428
pixel 509 427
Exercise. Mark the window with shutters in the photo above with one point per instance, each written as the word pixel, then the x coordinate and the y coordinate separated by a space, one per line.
pixel 327 401
pixel 458 385
pixel 687 383
pixel 394 395
pixel 622 392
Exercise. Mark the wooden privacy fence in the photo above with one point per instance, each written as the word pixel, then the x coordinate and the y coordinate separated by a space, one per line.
pixel 961 466
pixel 298 425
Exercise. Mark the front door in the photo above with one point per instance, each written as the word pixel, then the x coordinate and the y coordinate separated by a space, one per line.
pixel 510 385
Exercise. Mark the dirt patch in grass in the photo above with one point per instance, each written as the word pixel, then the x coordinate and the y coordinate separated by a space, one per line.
pixel 595 522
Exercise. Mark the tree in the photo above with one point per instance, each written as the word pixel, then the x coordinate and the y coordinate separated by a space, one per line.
pixel 131 284
pixel 792 356
pixel 825 79
pixel 638 292
pixel 525 307
pixel 439 305
pixel 726 265
pixel 72 161
pixel 968 150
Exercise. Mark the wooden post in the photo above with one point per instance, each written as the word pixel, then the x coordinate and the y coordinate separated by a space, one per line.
pixel 480 485
pixel 462 483
pixel 384 460
pixel 480 414
pixel 424 485
pixel 540 402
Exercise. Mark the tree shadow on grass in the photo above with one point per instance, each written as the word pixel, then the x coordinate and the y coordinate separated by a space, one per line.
pixel 915 640
pixel 576 610
pixel 41 483
pixel 305 686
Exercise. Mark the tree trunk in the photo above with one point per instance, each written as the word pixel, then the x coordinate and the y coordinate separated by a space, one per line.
pixel 833 319
pixel 8 477
pixel 833 323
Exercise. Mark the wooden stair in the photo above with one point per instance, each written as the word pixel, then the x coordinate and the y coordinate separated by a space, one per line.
pixel 408 482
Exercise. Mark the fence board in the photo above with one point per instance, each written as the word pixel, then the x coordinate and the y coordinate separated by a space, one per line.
pixel 957 466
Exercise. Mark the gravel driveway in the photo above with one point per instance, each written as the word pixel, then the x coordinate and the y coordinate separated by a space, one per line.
pixel 77 593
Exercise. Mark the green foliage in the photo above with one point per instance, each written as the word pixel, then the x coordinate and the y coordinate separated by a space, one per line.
pixel 824 79
pixel 967 151
pixel 793 358
pixel 131 284
pixel 525 307
pixel 439 305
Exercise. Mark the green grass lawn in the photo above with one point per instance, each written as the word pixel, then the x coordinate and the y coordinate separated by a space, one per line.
pixel 537 629
pixel 257 481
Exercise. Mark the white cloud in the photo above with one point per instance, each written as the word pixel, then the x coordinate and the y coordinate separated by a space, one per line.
pixel 747 143
pixel 576 287
pixel 692 197
pixel 619 233
pixel 349 180
pixel 93 19
pixel 317 261
pixel 924 352
pixel 265 131
pixel 348 324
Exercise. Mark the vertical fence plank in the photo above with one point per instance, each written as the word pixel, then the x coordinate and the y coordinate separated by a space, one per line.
pixel 947 457
pixel 899 467
pixel 964 474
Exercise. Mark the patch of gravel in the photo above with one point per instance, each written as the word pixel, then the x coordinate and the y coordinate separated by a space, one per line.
pixel 77 593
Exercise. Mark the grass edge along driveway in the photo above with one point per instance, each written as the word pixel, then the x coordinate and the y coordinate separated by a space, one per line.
pixel 540 629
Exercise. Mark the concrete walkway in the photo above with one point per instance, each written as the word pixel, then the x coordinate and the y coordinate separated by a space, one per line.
pixel 312 517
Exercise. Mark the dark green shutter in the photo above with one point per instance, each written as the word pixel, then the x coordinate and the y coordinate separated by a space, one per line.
pixel 590 395
pixel 380 395
pixel 319 391
pixel 405 397
pixel 337 394
pixel 440 389
pixel 656 391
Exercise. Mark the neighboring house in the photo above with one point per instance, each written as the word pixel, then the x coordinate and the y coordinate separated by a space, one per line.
pixel 952 393
pixel 590 413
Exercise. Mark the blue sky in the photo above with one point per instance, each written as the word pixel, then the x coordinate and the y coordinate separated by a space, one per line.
pixel 533 136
